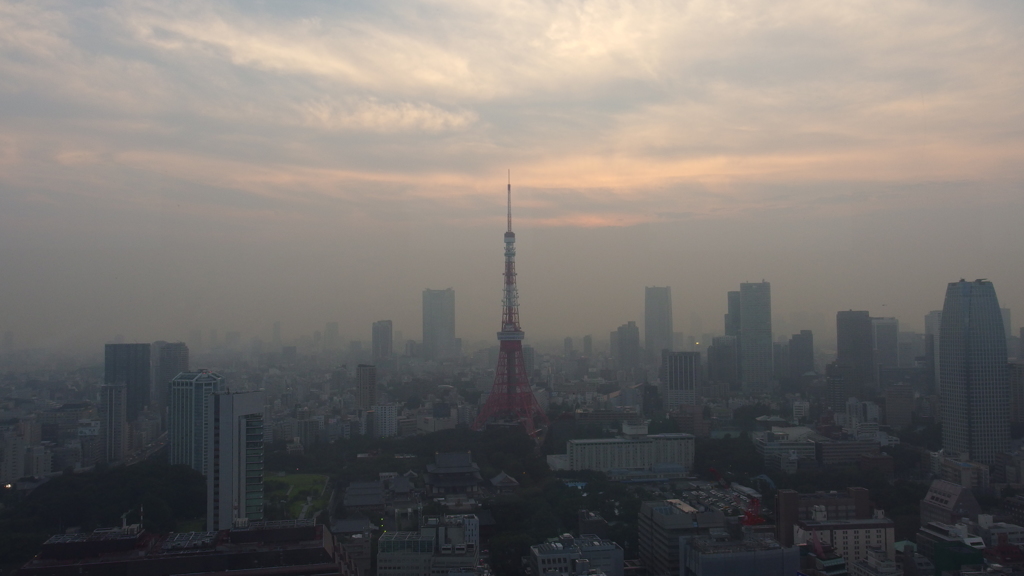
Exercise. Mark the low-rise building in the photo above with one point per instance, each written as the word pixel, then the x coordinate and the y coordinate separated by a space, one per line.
pixel 568 555
pixel 948 503
pixel 660 526
pixel 850 538
pixel 636 453
pixel 718 554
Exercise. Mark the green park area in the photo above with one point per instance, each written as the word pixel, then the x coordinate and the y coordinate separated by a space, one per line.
pixel 294 496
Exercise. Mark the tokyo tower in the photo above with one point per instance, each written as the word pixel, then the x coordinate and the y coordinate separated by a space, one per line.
pixel 511 399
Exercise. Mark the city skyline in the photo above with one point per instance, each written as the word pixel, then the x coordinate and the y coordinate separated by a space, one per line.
pixel 686 147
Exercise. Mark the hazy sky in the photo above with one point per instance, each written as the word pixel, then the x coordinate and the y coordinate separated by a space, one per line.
pixel 174 165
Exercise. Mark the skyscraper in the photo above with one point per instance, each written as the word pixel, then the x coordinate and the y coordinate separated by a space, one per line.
pixel 680 376
pixel 801 354
pixel 171 360
pixel 932 325
pixel 383 341
pixel 657 322
pixel 886 333
pixel 732 317
pixel 438 324
pixel 128 364
pixel 627 347
pixel 366 386
pixel 113 422
pixel 755 341
pixel 724 361
pixel 234 480
pixel 1006 321
pixel 190 405
pixel 973 373
pixel 588 346
pixel 855 347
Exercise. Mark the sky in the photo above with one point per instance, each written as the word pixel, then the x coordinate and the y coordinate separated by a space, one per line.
pixel 169 166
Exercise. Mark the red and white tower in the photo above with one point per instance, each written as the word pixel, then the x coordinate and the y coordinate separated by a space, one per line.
pixel 511 399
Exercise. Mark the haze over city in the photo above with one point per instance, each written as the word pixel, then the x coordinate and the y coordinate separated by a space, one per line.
pixel 218 165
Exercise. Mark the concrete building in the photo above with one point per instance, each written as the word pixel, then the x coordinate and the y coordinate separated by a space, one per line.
pixel 190 405
pixel 663 525
pixel 382 344
pixel 948 503
pixel 801 354
pixel 170 359
pixel 385 420
pixel 639 453
pixel 366 386
pixel 443 545
pixel 680 376
pixel 850 538
pixel 886 332
pixel 657 322
pixel 899 405
pixel 234 480
pixel 755 337
pixel 567 555
pixel 973 373
pixel 129 364
pixel 113 422
pixel 718 554
pixel 724 361
pixel 792 507
pixel 626 347
pixel 439 324
pixel 876 563
pixel 855 348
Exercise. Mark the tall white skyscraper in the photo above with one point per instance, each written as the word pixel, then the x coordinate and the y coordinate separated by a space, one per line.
pixel 190 405
pixel 439 324
pixel 657 322
pixel 234 482
pixel 755 339
pixel 973 373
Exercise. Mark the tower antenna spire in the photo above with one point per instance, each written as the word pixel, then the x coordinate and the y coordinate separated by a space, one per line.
pixel 510 200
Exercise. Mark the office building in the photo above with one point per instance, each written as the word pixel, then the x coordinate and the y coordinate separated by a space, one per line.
pixel 973 373
pixel 792 506
pixel 439 324
pixel 680 376
pixel 899 405
pixel 637 453
pixel 886 332
pixel 932 325
pixel 366 386
pixel 234 479
pixel 382 345
pixel 189 410
pixel 719 554
pixel 755 339
pixel 568 555
pixel 732 317
pixel 113 422
pixel 657 322
pixel 850 538
pixel 171 360
pixel 1007 328
pixel 801 354
pixel 626 347
pixel 443 545
pixel 662 525
pixel 724 361
pixel 855 347
pixel 129 364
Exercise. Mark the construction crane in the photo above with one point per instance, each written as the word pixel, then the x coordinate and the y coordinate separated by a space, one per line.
pixel 752 515
pixel 718 477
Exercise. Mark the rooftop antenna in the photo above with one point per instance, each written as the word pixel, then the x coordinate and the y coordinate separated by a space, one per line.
pixel 510 200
